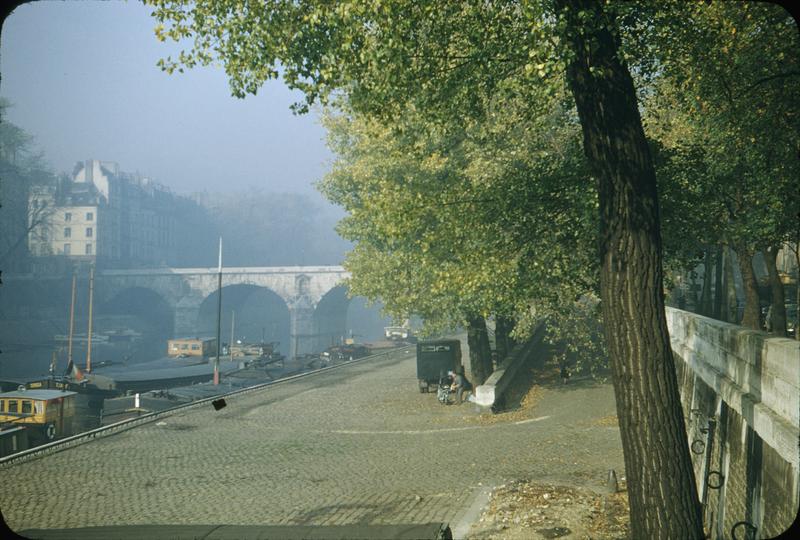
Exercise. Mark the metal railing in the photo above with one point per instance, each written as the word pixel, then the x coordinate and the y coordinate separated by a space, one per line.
pixel 124 425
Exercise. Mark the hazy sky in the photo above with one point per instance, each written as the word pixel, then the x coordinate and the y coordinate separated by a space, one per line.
pixel 82 78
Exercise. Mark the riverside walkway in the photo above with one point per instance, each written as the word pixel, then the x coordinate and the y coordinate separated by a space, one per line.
pixel 353 445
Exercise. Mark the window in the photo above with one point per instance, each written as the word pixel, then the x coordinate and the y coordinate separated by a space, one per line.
pixel 12 405
pixel 2 405
pixel 68 216
pixel 67 232
pixel 38 407
pixel 88 232
pixel 89 216
pixel 67 249
pixel 195 347
pixel 27 407
pixel 88 249
pixel 184 347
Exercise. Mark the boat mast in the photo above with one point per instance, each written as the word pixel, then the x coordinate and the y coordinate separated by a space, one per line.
pixel 53 363
pixel 233 320
pixel 71 322
pixel 219 313
pixel 89 335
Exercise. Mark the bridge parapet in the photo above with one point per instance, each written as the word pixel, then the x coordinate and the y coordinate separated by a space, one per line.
pixel 748 385
pixel 757 375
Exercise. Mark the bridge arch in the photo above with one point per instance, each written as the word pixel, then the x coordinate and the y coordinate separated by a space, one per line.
pixel 142 309
pixel 257 313
pixel 330 318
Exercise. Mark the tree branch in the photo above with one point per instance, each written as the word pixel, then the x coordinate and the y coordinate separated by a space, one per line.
pixel 763 80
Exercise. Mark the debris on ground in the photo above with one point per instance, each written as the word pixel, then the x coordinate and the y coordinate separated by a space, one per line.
pixel 525 510
pixel 523 412
pixel 610 421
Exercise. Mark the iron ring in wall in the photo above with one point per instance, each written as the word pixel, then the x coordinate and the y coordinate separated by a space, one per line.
pixel 750 530
pixel 720 479
pixel 698 446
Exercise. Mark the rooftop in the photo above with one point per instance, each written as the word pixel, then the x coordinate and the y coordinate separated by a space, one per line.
pixel 44 395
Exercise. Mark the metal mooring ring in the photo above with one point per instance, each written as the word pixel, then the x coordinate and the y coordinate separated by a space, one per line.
pixel 698 446
pixel 720 477
pixel 749 528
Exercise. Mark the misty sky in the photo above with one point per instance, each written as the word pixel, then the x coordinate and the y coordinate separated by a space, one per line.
pixel 82 78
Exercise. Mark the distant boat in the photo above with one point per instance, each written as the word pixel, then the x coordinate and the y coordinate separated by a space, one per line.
pixel 97 339
pixel 100 338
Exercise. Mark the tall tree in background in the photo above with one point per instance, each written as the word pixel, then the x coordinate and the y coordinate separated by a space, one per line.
pixel 291 229
pixel 20 169
pixel 726 96
pixel 464 227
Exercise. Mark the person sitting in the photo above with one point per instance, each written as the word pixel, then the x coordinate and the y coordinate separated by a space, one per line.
pixel 444 388
pixel 460 385
pixel 565 373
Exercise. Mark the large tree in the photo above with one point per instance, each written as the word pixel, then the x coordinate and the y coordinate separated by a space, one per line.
pixel 455 62
pixel 648 402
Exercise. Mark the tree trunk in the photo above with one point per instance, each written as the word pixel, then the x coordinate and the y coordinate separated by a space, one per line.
pixel 503 327
pixel 732 300
pixel 705 299
pixel 719 291
pixel 752 309
pixel 723 283
pixel 778 298
pixel 480 353
pixel 661 485
pixel 796 251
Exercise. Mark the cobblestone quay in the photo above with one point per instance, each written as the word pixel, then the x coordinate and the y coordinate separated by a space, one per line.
pixel 358 444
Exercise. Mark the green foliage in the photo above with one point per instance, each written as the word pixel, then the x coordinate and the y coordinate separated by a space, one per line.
pixel 468 194
pixel 448 59
pixel 725 110
pixel 481 222
pixel 459 151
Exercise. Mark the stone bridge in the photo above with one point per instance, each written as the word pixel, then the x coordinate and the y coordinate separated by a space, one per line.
pixel 313 298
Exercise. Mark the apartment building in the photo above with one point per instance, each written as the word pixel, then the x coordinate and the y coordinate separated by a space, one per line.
pixel 102 215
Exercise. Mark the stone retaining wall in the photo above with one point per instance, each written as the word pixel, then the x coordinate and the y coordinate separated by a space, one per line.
pixel 742 387
pixel 490 393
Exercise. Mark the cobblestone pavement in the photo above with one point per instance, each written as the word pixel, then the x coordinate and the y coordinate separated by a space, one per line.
pixel 358 444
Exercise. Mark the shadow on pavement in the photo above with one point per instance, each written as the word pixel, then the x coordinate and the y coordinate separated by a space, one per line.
pixel 545 372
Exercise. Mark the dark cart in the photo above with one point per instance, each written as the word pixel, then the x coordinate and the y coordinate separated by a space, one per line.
pixel 435 359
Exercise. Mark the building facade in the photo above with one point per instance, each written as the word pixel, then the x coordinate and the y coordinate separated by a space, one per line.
pixel 103 216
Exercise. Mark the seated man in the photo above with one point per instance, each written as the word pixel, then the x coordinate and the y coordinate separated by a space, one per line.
pixel 460 385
